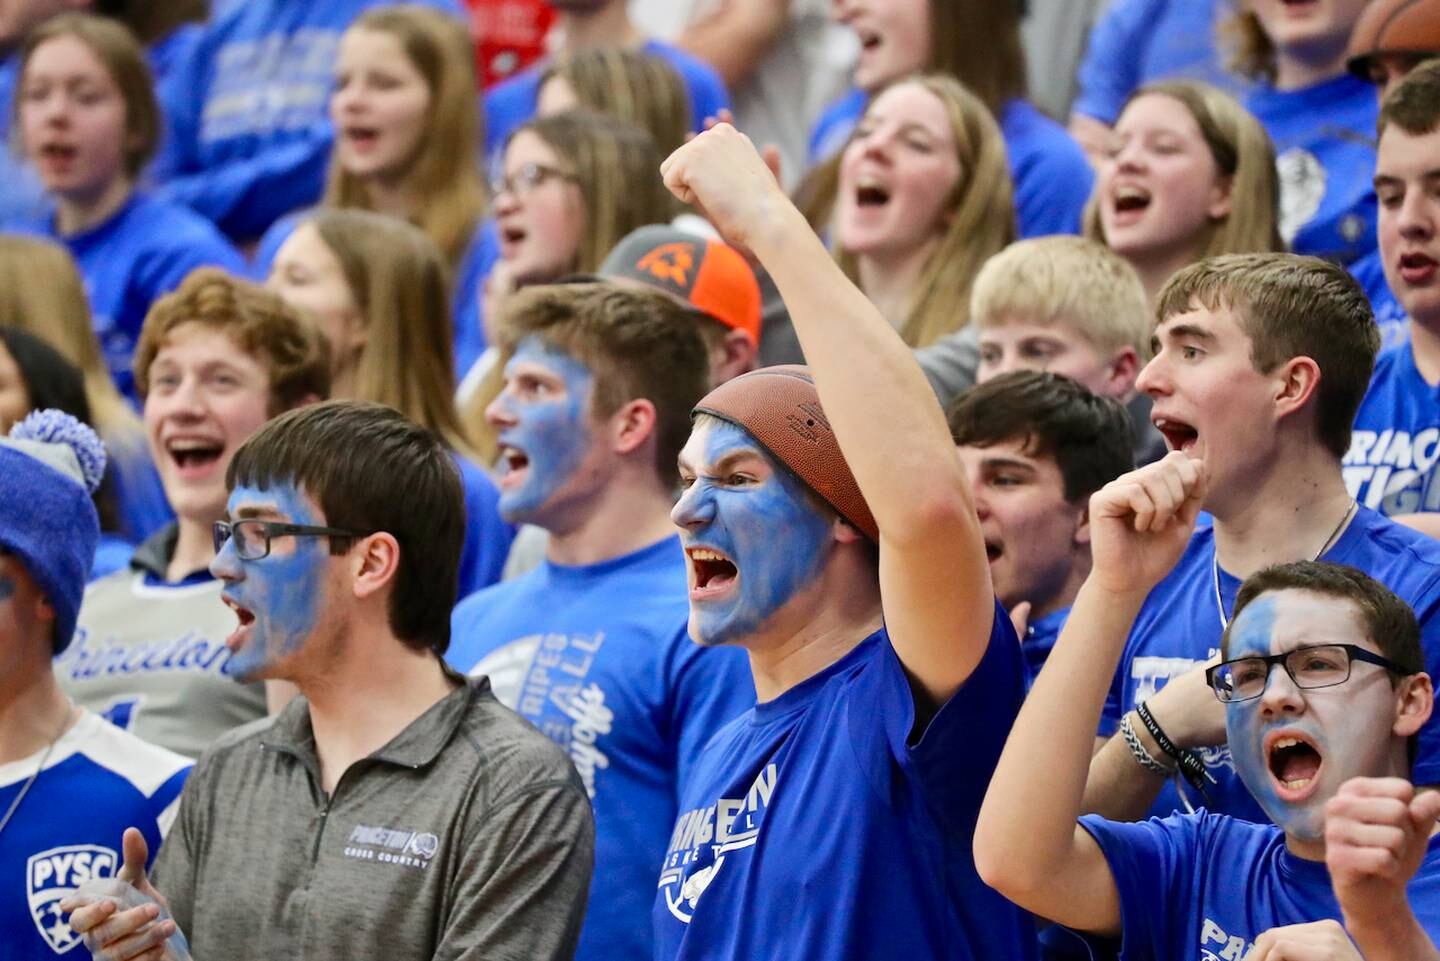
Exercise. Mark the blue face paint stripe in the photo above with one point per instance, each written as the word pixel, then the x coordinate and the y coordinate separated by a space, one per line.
pixel 553 433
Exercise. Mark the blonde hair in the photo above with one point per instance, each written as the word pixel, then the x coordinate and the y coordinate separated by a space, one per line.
pixel 445 173
pixel 635 87
pixel 41 292
pixel 616 165
pixel 1242 152
pixel 1065 281
pixel 398 280
pixel 1249 51
pixel 981 222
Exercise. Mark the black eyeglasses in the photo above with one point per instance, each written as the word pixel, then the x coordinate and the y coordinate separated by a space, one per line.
pixel 1323 665
pixel 252 537
pixel 529 177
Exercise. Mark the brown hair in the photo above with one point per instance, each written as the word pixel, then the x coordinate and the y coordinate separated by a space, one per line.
pixel 1414 104
pixel 628 85
pixel 1291 306
pixel 262 325
pixel 979 45
pixel 982 217
pixel 124 59
pixel 371 468
pixel 151 21
pixel 1052 416
pixel 398 281
pixel 616 166
pixel 637 344
pixel 1389 622
pixel 1242 152
pixel 444 174
pixel 1249 50
pixel 41 291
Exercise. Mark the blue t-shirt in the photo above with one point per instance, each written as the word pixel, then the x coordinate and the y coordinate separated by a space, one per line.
pixel 513 101
pixel 468 281
pixel 1206 885
pixel 247 107
pixel 1395 444
pixel 1390 317
pixel 1324 139
pixel 815 827
pixel 599 659
pixel 1040 637
pixel 143 251
pixel 96 782
pixel 1179 628
pixel 487 536
pixel 139 492
pixel 1051 176
pixel 1135 42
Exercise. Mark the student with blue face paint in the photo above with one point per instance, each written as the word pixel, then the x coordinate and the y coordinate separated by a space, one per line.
pixel 1322 681
pixel 1261 362
pixel 70 784
pixel 591 645
pixel 832 536
pixel 423 819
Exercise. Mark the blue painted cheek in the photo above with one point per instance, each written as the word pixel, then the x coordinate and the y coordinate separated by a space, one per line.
pixel 7 588
pixel 554 434
pixel 283 590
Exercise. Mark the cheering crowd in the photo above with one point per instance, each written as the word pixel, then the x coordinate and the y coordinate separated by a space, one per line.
pixel 720 480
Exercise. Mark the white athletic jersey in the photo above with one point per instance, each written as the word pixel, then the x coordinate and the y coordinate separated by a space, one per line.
pixel 97 781
pixel 150 656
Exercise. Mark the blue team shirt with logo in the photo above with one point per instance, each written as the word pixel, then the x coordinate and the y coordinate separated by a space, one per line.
pixel 247 109
pixel 1369 273
pixel 598 658
pixel 67 828
pixel 1324 138
pixel 813 828
pixel 144 250
pixel 1206 886
pixel 1391 465
pixel 1179 628
pixel 1040 637
pixel 1051 176
pixel 513 101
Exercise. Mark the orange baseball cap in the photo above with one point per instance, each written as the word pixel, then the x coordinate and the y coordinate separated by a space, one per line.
pixel 706 274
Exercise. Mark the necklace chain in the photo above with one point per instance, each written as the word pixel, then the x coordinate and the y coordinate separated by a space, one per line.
pixel 1329 543
pixel 30 782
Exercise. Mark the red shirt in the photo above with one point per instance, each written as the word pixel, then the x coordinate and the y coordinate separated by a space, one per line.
pixel 509 35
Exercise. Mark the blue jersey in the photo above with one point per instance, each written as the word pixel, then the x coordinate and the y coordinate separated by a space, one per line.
pixel 246 105
pixel 1135 42
pixel 144 250
pixel 1179 628
pixel 598 658
pixel 469 280
pixel 1395 444
pixel 487 536
pixel 513 101
pixel 816 827
pixel 96 782
pixel 1051 176
pixel 1390 317
pixel 1324 139
pixel 1206 885
pixel 1040 637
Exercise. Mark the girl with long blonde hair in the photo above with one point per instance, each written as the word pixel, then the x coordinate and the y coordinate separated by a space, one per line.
pixel 377 287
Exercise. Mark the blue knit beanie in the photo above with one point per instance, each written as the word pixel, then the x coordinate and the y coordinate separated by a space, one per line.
pixel 50 464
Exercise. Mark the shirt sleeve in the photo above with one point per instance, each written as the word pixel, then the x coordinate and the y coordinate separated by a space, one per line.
pixel 523 879
pixel 1110 69
pixel 1151 863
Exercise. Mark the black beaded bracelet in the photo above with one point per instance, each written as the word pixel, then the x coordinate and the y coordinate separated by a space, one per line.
pixel 1189 763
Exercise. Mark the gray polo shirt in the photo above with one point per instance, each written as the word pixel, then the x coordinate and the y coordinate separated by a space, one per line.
pixel 467 836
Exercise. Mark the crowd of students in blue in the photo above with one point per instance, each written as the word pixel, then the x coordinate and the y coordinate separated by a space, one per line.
pixel 242 145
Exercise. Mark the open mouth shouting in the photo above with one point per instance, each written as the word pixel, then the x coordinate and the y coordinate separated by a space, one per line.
pixel 1294 764
pixel 1129 203
pixel 516 467
pixel 242 631
pixel 363 139
pixel 1178 434
pixel 871 193
pixel 1417 268
pixel 711 573
pixel 194 457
